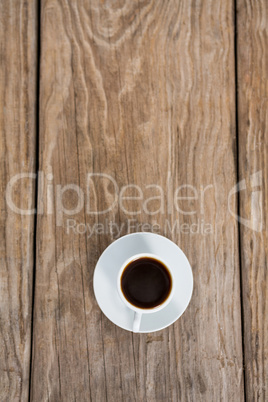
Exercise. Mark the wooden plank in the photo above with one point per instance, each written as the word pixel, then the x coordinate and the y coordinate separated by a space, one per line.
pixel 18 60
pixel 143 92
pixel 252 61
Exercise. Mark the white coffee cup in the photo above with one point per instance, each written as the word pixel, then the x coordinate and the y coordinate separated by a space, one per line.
pixel 140 311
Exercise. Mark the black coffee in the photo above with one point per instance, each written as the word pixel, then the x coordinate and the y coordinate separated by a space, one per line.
pixel 146 282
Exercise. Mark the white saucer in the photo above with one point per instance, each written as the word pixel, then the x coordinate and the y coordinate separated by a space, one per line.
pixel 105 280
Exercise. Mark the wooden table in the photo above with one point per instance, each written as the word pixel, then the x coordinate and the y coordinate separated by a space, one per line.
pixel 163 102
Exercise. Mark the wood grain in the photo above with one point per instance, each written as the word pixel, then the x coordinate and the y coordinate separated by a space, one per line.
pixel 252 59
pixel 143 91
pixel 18 59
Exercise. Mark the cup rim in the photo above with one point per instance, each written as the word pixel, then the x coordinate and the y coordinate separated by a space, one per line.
pixel 124 299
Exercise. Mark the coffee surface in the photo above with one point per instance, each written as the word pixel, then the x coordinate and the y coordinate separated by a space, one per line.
pixel 146 282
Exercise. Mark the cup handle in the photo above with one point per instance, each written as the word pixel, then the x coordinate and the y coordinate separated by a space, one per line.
pixel 137 322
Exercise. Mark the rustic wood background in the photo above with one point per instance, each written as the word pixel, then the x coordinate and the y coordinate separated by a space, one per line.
pixel 149 92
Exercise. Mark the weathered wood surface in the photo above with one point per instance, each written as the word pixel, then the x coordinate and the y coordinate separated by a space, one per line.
pixel 18 58
pixel 143 92
pixel 252 59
